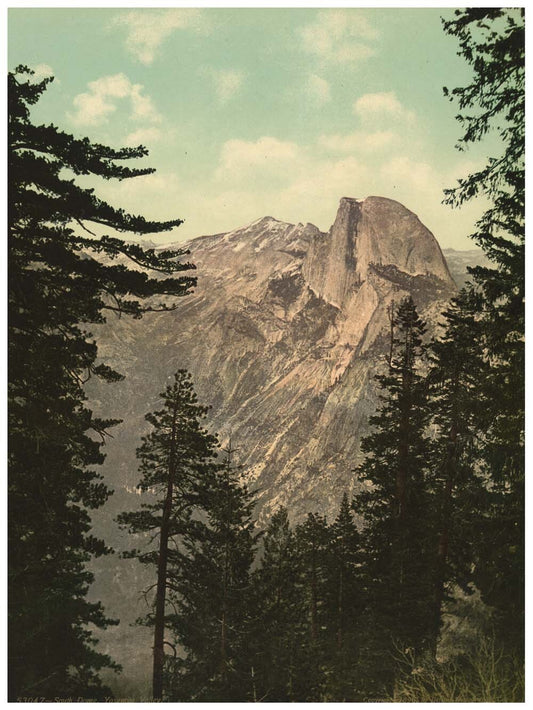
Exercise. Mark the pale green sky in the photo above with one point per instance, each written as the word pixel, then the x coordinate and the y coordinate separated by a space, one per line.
pixel 253 112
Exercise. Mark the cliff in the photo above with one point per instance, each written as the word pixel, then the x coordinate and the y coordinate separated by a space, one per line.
pixel 283 337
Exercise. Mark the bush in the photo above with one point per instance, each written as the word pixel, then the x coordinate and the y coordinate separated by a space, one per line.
pixel 487 675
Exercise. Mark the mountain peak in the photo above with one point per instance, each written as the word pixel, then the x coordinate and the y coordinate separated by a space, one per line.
pixel 266 222
pixel 282 335
pixel 351 200
pixel 372 232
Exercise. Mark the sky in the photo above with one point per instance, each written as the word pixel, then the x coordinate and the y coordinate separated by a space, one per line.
pixel 252 112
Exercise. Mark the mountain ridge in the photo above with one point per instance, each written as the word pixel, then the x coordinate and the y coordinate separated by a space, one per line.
pixel 282 336
pixel 288 375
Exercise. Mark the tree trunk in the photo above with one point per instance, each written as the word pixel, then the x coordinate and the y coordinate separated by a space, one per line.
pixel 340 611
pixel 403 473
pixel 159 622
pixel 442 550
pixel 404 431
pixel 314 614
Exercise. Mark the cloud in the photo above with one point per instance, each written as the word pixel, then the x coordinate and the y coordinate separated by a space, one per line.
pixel 241 159
pixel 299 182
pixel 318 90
pixel 358 141
pixel 42 71
pixel 227 83
pixel 323 183
pixel 271 176
pixel 418 174
pixel 155 196
pixel 370 107
pixel 148 29
pixel 144 136
pixel 94 107
pixel 298 169
pixel 339 36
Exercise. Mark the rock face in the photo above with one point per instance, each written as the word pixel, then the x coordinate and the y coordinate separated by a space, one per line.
pixel 283 336
pixel 375 231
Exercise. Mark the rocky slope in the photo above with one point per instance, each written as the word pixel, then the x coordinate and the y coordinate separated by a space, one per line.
pixel 283 336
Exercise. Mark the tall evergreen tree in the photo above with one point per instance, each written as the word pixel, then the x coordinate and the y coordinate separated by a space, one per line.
pixel 278 612
pixel 398 533
pixel 61 278
pixel 308 597
pixel 174 457
pixel 492 42
pixel 457 402
pixel 210 589
pixel 312 541
pixel 345 599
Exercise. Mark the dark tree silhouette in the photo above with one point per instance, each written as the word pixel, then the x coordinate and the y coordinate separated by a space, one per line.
pixel 492 42
pixel 457 366
pixel 277 617
pixel 398 534
pixel 174 457
pixel 211 594
pixel 61 279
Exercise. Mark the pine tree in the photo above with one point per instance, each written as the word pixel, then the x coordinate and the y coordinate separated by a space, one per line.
pixel 398 533
pixel 457 402
pixel 174 457
pixel 278 613
pixel 312 541
pixel 61 278
pixel 345 599
pixel 492 42
pixel 210 589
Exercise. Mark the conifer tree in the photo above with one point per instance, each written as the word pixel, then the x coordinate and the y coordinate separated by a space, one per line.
pixel 457 402
pixel 492 42
pixel 278 612
pixel 210 589
pixel 399 539
pixel 175 456
pixel 345 599
pixel 312 540
pixel 62 279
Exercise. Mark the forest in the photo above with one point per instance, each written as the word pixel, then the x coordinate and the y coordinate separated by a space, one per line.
pixel 352 609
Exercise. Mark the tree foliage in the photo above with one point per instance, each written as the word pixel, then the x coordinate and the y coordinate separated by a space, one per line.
pixel 198 535
pixel 492 41
pixel 346 600
pixel 175 455
pixel 61 279
pixel 399 534
pixel 210 595
pixel 308 595
pixel 277 617
pixel 457 367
